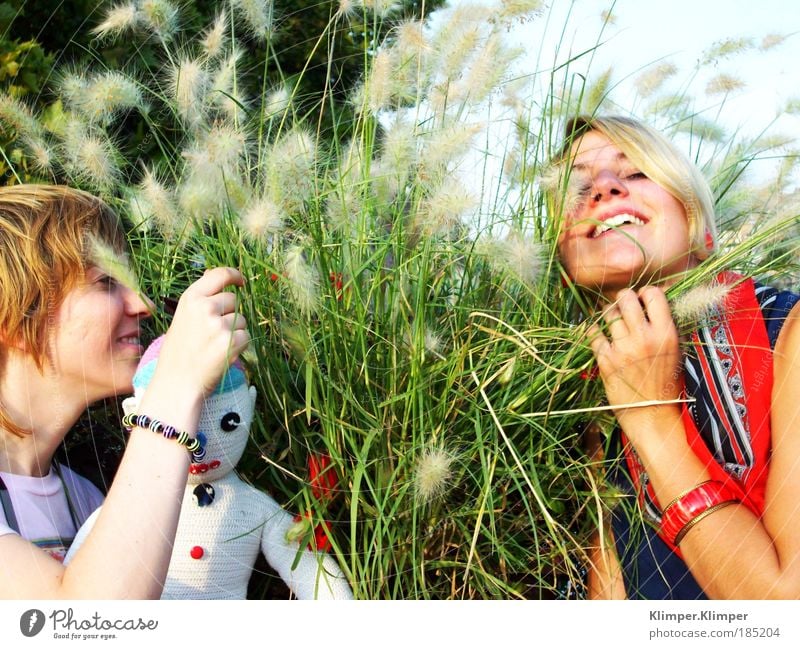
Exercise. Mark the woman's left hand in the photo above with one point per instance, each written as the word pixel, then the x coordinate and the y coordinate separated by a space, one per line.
pixel 640 360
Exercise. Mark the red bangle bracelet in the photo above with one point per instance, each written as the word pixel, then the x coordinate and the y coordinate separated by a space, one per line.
pixel 683 512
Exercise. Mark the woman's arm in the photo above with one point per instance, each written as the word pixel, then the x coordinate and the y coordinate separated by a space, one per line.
pixel 128 551
pixel 605 573
pixel 731 553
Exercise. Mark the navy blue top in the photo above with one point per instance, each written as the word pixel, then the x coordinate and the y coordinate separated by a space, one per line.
pixel 650 569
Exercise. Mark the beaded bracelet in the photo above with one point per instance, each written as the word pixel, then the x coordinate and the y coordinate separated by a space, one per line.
pixel 691 507
pixel 195 445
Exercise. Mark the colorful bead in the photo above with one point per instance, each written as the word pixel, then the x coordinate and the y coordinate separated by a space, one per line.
pixel 196 552
pixel 196 446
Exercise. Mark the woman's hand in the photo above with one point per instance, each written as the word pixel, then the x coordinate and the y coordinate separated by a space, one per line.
pixel 640 360
pixel 207 334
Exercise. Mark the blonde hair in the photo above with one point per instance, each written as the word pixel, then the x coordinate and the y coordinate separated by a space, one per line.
pixel 45 233
pixel 661 161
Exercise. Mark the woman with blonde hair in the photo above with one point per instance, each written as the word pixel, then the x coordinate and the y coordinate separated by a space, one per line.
pixel 69 337
pixel 708 438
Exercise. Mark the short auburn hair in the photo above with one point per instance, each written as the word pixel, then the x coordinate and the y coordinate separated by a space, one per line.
pixel 45 250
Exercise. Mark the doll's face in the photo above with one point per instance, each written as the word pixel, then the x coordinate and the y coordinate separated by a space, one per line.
pixel 225 422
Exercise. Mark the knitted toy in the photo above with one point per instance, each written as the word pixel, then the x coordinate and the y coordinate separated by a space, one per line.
pixel 223 521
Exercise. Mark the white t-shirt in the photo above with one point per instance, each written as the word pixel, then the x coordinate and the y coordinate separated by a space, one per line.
pixel 42 510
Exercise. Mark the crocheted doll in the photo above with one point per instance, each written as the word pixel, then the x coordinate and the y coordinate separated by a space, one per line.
pixel 224 522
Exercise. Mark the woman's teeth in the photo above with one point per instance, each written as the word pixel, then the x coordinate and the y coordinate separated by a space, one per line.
pixel 615 222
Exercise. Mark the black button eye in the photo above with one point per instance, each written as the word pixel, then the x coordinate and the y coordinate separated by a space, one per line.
pixel 230 421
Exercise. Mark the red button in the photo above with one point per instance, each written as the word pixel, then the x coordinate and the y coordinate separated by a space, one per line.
pixel 196 552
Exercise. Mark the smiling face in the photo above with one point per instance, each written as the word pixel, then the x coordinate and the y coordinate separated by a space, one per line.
pixel 623 229
pixel 94 344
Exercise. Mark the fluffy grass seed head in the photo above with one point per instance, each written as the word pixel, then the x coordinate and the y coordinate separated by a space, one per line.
pixel 444 209
pixel 567 191
pixel 118 19
pixel 671 104
pixel 518 255
pixel 291 169
pixel 155 203
pixel 432 474
pixel 456 49
pixel 343 208
pixel 224 91
pixel 39 152
pixel 608 17
pixel 382 8
pixel 443 146
pixel 302 279
pixel 257 14
pixel 261 219
pixel 771 41
pixel 722 84
pixel 431 344
pixel 726 48
pixel 348 8
pixel 702 129
pixel 651 80
pixel 188 83
pixel 488 68
pixel 211 177
pixel 160 17
pixel 276 102
pixel 399 145
pixel 527 9
pixel 106 94
pixel 216 36
pixel 218 151
pixel 70 85
pixel 524 258
pixel 90 157
pixel 694 306
pixel 112 263
pixel 410 38
pixel 18 116
pixel 380 84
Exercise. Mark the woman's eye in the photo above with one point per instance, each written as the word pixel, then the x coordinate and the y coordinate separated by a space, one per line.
pixel 106 281
pixel 636 175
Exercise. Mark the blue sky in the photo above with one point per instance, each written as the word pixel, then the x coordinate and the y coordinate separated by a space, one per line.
pixel 643 34
pixel 680 31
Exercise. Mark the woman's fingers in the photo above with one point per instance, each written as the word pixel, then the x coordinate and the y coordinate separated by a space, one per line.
pixel 656 305
pixel 614 321
pixel 631 310
pixel 223 303
pixel 215 280
pixel 597 340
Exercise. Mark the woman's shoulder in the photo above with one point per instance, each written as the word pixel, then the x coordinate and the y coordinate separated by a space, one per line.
pixel 86 497
pixel 776 307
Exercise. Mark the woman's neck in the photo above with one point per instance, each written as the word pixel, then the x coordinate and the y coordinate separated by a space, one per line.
pixel 36 403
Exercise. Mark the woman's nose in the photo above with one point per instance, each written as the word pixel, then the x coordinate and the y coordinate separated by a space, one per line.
pixel 138 304
pixel 607 184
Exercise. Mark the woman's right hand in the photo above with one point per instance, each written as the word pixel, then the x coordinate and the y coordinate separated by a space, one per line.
pixel 207 334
